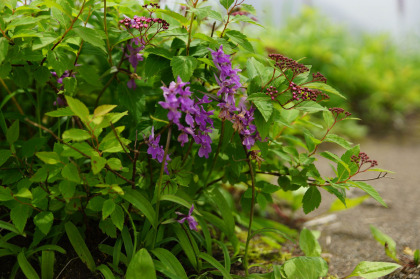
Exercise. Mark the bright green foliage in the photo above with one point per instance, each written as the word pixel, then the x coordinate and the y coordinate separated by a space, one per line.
pixel 372 270
pixel 77 116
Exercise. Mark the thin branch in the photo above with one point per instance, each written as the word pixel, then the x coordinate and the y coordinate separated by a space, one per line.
pixel 75 149
pixel 13 97
pixel 107 37
pixel 68 29
pixel 118 138
pixel 7 37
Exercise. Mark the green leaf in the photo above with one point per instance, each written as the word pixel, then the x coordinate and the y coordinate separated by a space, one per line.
pixel 70 84
pixel 61 112
pixel 50 158
pixel 370 190
pixel 386 241
pixel 117 217
pixel 44 221
pixel 47 264
pixel 262 126
pixel 226 3
pixel 107 208
pixel 71 173
pixel 98 163
pixel 106 271
pixel 178 17
pixel 257 69
pixel 338 204
pixel 338 140
pixel 170 262
pixel 141 203
pixel 141 263
pixel 114 164
pixel 263 103
pixel 215 15
pixel 417 257
pixel 91 36
pixel 79 245
pixel 240 39
pixel 9 227
pixel 183 66
pixel 12 134
pixel 24 193
pixel 78 108
pixel 4 47
pixel 102 110
pixel 4 156
pixel 311 200
pixel 96 203
pixel 305 267
pixel 372 270
pixel 26 267
pixel 310 106
pixel 76 135
pixel 19 215
pixel 186 244
pixel 309 244
pixel 5 194
pixel 215 264
pixel 324 87
pixel 179 201
pixel 328 118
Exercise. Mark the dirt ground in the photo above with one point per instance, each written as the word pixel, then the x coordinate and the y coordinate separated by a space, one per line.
pixel 346 237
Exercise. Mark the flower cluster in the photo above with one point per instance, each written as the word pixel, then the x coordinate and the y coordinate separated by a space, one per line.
pixel 306 94
pixel 228 78
pixel 362 159
pixel 196 123
pixel 157 150
pixel 284 63
pixel 143 24
pixel 138 43
pixel 229 83
pixel 134 56
pixel 192 223
pixel 319 77
pixel 337 111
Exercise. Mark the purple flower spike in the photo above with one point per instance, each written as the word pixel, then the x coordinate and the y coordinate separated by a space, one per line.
pixel 192 223
pixel 157 151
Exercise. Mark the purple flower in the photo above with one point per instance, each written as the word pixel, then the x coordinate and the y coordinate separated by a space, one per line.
pixel 228 78
pixel 157 150
pixel 196 123
pixel 192 223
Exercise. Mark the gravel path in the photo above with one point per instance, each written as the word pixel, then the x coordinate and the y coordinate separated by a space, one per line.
pixel 348 239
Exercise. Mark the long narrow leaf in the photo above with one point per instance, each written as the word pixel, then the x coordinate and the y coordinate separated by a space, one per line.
pixel 47 264
pixel 185 243
pixel 141 203
pixel 26 267
pixel 10 227
pixel 106 272
pixel 216 264
pixel 79 245
pixel 141 266
pixel 225 254
pixel 171 262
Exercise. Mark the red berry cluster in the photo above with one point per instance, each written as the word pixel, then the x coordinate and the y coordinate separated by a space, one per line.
pixel 337 111
pixel 306 94
pixel 143 23
pixel 362 159
pixel 285 63
pixel 272 92
pixel 319 77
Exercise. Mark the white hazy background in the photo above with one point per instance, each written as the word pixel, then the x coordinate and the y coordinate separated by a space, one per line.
pixel 399 18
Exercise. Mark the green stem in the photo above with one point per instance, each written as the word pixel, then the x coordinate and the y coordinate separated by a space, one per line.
pixel 107 37
pixel 159 186
pixel 190 29
pixel 251 214
pixel 216 155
